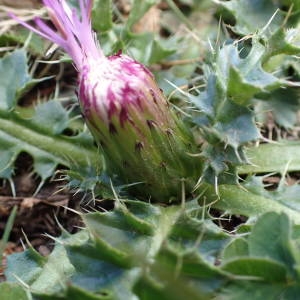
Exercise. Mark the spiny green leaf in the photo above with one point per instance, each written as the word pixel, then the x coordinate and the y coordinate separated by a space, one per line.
pixel 192 264
pixel 42 274
pixel 51 116
pixel 16 77
pixel 11 291
pixel 48 150
pixel 9 154
pixel 285 194
pixel 226 126
pixel 244 77
pixel 283 103
pixel 198 278
pixel 284 42
pixel 211 98
pixel 236 248
pixel 253 15
pixel 272 258
pixel 276 244
pixel 288 195
pixel 186 230
pixel 75 293
pixel 261 268
pixel 237 200
pixel 249 290
pixel 31 262
pixel 147 289
pixel 280 157
pixel 99 270
pixel 236 125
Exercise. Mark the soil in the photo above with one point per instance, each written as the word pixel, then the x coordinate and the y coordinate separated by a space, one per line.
pixel 38 215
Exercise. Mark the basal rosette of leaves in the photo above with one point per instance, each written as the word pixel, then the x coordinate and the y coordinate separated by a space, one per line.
pixel 139 251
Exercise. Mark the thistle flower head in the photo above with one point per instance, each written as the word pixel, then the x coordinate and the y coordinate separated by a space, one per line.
pixel 108 86
pixel 142 140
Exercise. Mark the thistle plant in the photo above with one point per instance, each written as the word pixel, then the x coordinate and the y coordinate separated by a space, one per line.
pixel 141 139
pixel 139 250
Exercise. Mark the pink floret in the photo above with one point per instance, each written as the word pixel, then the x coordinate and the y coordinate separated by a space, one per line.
pixel 74 34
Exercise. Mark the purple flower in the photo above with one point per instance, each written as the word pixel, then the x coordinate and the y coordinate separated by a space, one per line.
pixel 141 139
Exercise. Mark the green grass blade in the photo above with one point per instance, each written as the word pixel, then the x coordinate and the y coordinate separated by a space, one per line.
pixel 7 230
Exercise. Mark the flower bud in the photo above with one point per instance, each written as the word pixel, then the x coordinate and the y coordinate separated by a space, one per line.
pixel 142 140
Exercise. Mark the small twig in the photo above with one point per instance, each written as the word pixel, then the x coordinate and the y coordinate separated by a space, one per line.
pixel 23 14
pixel 180 62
